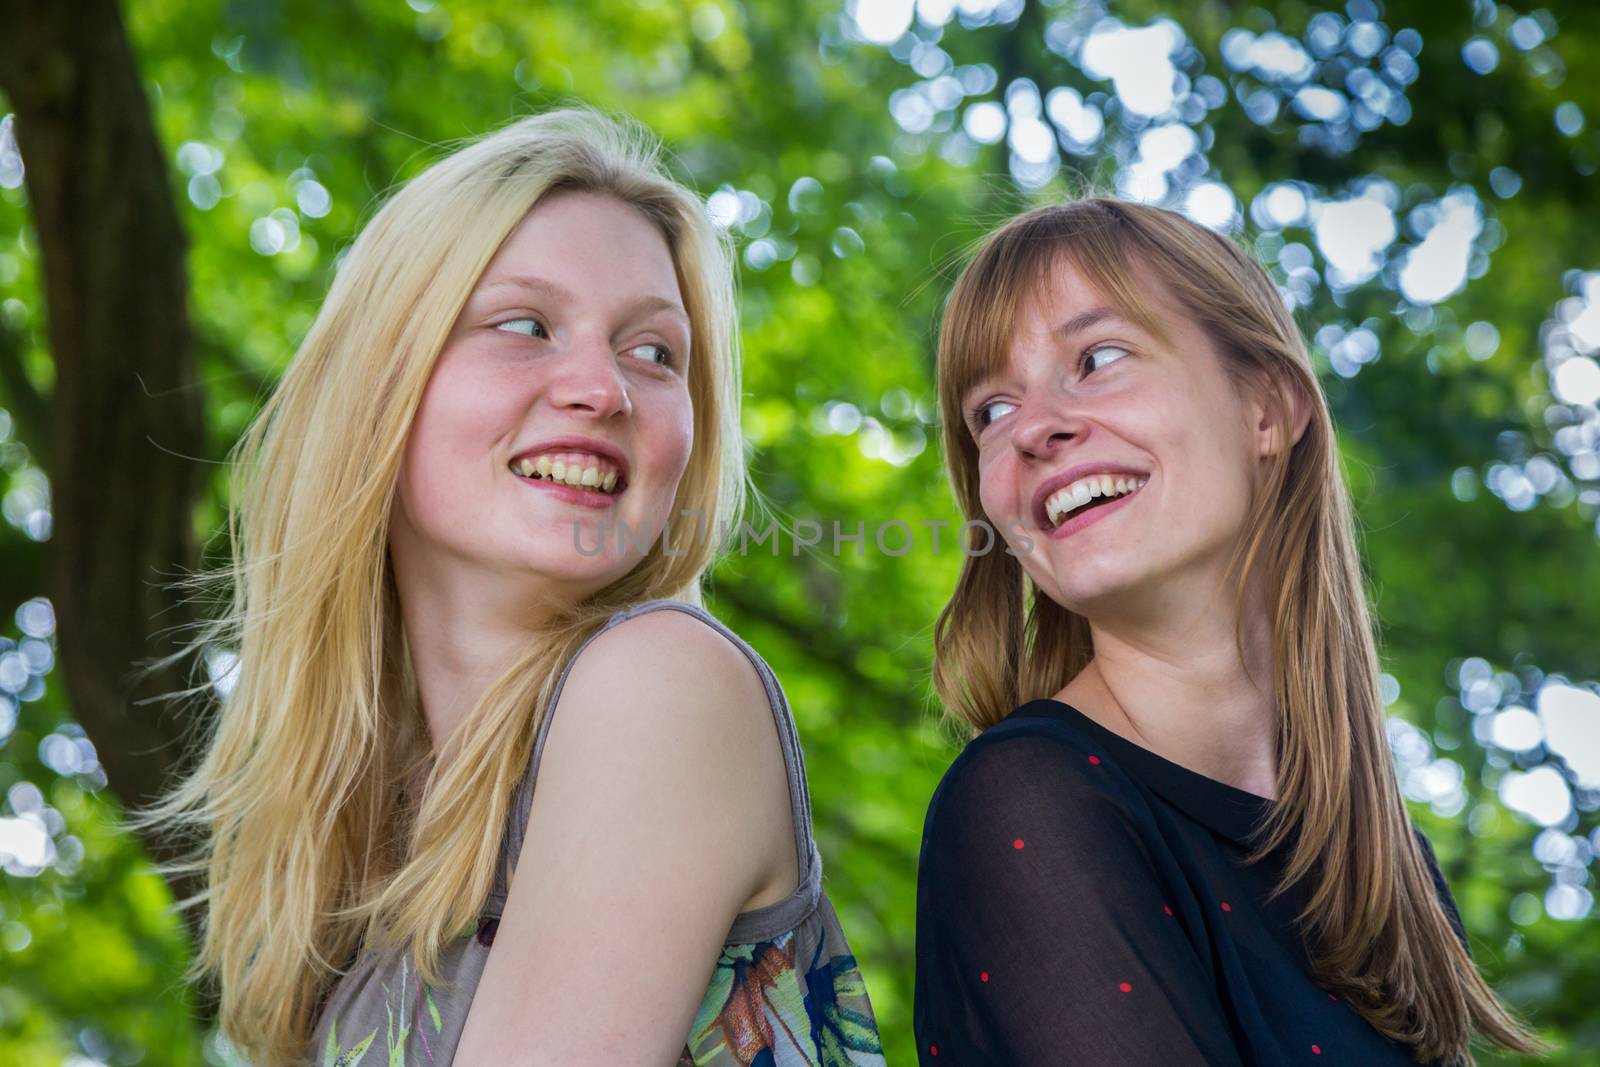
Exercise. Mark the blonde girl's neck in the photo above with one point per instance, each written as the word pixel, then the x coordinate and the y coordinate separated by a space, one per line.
pixel 456 646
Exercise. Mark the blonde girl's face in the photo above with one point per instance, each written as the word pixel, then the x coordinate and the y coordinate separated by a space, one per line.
pixel 1118 467
pixel 557 421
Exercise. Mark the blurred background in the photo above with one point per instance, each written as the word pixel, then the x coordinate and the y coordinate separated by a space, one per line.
pixel 178 177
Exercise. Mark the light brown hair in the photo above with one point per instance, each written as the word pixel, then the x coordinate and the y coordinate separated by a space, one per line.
pixel 1374 923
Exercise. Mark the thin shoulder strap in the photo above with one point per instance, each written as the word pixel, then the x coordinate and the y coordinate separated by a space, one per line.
pixel 786 912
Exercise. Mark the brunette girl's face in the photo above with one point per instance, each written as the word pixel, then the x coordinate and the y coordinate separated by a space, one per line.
pixel 560 400
pixel 1118 467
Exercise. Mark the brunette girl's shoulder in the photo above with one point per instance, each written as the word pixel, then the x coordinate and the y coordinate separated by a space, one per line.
pixel 1034 736
pixel 1030 760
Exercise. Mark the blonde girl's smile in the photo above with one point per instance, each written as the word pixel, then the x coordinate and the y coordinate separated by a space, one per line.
pixel 578 470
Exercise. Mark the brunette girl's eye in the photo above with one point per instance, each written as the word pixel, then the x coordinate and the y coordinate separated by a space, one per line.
pixel 525 327
pixel 1092 361
pixel 986 413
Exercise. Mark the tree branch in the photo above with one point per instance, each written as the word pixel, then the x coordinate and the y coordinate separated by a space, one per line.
pixel 126 406
pixel 28 410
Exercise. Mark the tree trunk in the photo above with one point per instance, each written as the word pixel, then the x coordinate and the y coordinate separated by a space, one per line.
pixel 126 411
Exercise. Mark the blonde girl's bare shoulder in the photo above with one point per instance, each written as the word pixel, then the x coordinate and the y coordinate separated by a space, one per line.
pixel 666 710
pixel 674 657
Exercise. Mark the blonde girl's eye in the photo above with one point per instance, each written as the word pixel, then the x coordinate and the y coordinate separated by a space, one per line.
pixel 526 327
pixel 1096 358
pixel 653 352
pixel 984 415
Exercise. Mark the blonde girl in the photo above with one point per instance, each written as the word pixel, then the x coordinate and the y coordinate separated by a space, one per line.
pixel 459 565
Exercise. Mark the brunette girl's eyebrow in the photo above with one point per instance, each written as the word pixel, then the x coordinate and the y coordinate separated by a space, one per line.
pixel 1087 319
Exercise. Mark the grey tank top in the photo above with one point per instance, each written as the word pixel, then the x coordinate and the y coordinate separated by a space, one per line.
pixel 789 958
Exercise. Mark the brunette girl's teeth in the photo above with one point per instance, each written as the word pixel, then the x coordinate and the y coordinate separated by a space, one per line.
pixel 1068 499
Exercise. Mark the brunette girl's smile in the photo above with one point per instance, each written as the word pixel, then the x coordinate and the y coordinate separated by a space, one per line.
pixel 1071 493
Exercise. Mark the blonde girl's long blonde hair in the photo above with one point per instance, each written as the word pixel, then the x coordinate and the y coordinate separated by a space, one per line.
pixel 321 819
pixel 1377 931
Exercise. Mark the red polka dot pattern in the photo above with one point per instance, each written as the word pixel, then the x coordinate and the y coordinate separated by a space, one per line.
pixel 983 976
pixel 933 1050
pixel 1316 1050
pixel 1167 908
pixel 1017 843
pixel 1095 760
pixel 1226 906
pixel 1126 987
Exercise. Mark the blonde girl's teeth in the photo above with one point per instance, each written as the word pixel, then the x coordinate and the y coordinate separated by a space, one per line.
pixel 609 482
pixel 525 467
pixel 591 477
pixel 543 466
pixel 558 471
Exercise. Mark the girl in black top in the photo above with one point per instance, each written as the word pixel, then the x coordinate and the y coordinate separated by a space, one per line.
pixel 1125 878
pixel 1176 837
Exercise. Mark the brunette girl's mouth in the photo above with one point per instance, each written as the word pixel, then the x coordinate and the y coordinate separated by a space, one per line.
pixel 1087 493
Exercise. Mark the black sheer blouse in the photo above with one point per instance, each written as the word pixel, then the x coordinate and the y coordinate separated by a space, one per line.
pixel 1082 900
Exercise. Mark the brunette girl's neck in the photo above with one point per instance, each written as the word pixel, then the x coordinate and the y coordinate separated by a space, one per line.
pixel 1183 692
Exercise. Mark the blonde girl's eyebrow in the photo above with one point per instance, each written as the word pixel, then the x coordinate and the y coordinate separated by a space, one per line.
pixel 558 294
pixel 550 290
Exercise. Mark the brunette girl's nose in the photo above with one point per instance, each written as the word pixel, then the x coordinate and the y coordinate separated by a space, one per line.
pixel 1039 432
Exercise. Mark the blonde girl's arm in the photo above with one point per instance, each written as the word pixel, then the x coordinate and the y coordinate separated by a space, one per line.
pixel 661 808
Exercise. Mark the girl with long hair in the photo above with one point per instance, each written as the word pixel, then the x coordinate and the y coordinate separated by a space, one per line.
pixel 459 568
pixel 1175 835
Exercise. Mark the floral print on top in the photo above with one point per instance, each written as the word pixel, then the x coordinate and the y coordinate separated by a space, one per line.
pixel 765 1007
pixel 761 1009
pixel 786 990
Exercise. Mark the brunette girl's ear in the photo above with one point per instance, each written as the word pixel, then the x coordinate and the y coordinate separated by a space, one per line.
pixel 1276 403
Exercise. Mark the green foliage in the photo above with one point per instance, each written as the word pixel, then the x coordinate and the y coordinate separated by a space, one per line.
pixel 285 120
